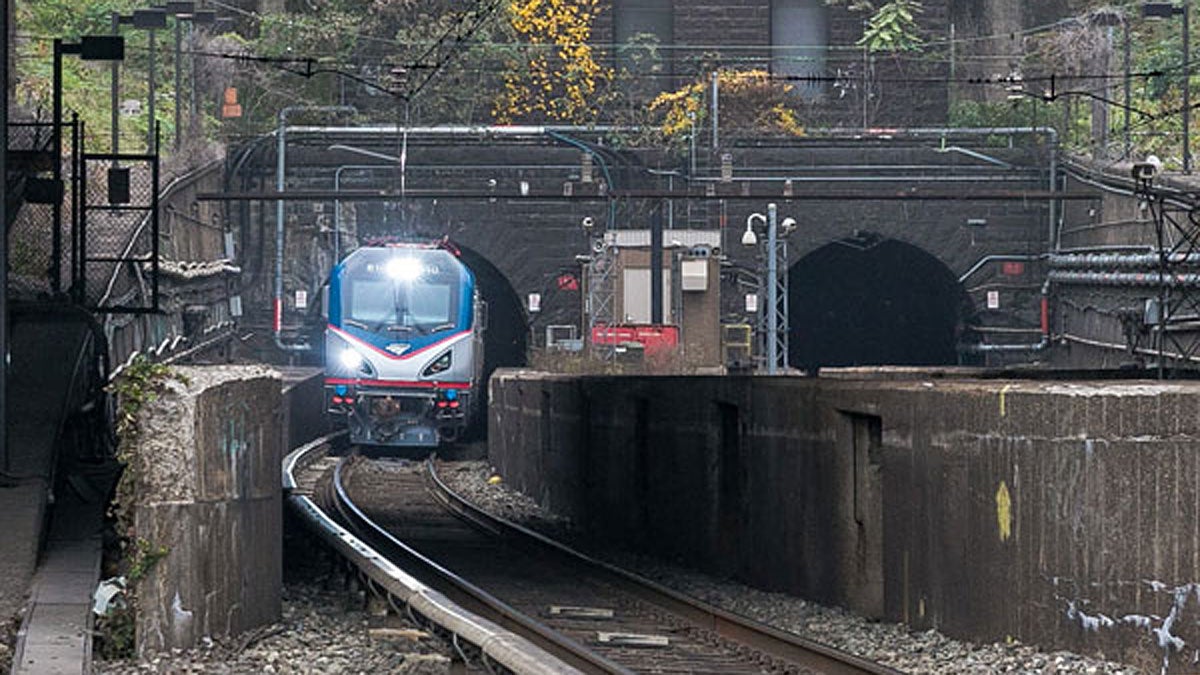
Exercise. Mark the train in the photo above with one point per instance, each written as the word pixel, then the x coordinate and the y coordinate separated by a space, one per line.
pixel 403 344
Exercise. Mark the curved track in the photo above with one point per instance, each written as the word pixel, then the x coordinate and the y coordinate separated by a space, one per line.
pixel 478 641
pixel 593 616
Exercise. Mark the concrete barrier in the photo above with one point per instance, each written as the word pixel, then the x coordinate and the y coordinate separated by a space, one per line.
pixel 1058 514
pixel 208 461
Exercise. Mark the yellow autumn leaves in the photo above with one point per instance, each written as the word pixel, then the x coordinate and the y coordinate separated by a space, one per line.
pixel 554 74
pixel 750 100
pixel 560 77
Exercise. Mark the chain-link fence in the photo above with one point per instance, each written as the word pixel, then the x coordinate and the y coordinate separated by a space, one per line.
pixel 118 257
pixel 31 225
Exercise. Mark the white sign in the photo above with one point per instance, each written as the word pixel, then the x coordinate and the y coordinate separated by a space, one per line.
pixel 301 299
pixel 752 302
pixel 535 302
pixel 993 300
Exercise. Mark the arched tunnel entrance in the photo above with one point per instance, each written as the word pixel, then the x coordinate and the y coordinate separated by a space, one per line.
pixel 873 301
pixel 506 336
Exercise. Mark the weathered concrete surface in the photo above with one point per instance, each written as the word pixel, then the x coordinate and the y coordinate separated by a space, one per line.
pixel 208 465
pixel 304 416
pixel 1066 515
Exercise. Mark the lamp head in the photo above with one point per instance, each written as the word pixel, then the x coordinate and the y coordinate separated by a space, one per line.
pixel 748 237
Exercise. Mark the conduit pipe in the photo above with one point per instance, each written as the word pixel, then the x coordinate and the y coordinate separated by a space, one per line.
pixel 1124 278
pixel 1107 261
pixel 999 257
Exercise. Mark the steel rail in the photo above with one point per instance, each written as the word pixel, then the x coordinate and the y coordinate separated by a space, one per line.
pixel 573 654
pixel 498 646
pixel 767 639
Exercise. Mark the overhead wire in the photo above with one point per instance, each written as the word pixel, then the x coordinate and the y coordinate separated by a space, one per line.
pixel 314 66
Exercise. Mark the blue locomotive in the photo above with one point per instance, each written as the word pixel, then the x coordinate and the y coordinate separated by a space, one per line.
pixel 403 345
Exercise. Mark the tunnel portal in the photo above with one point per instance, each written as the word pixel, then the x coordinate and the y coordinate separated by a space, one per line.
pixel 506 335
pixel 872 301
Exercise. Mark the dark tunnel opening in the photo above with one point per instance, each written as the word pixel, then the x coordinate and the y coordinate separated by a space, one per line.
pixel 505 338
pixel 871 301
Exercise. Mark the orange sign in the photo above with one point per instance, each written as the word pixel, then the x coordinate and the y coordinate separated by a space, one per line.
pixel 231 108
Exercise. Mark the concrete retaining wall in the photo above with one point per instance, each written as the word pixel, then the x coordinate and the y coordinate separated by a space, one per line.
pixel 208 462
pixel 1059 514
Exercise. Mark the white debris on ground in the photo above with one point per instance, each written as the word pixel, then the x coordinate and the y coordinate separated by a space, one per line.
pixel 926 652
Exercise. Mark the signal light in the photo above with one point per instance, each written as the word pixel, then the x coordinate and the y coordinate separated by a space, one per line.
pixel 442 404
pixel 337 399
pixel 453 404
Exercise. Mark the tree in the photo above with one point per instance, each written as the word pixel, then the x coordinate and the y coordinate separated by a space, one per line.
pixel 553 74
pixel 750 101
pixel 893 28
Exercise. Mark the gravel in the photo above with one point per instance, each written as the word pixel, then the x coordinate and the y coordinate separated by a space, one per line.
pixel 926 652
pixel 8 639
pixel 321 631
pixel 328 631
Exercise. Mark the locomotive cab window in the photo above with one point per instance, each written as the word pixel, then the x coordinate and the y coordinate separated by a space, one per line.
pixel 403 294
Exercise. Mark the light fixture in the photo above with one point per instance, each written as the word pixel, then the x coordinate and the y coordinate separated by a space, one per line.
pixel 351 359
pixel 404 269
pixel 748 237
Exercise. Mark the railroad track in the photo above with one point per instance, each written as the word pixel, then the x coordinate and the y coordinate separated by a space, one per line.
pixel 590 615
pixel 307 473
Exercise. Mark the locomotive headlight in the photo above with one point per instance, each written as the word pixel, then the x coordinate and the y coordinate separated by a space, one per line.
pixel 404 269
pixel 351 359
pixel 343 357
pixel 440 364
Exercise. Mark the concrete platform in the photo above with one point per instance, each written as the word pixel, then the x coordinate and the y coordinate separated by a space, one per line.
pixel 53 352
pixel 56 637
pixel 22 510
pixel 46 352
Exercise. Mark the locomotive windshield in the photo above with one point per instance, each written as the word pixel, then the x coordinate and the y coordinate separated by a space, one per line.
pixel 402 291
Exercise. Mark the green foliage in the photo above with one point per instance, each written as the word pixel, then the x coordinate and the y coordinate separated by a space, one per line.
pixel 118 630
pixel 893 28
pixel 466 86
pixel 983 114
pixel 143 559
pixel 117 634
pixel 137 385
pixel 87 84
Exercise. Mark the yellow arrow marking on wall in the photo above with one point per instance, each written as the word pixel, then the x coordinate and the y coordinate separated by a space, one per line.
pixel 1003 391
pixel 1004 511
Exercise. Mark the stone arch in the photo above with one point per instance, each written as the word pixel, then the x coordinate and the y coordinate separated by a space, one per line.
pixel 506 338
pixel 869 300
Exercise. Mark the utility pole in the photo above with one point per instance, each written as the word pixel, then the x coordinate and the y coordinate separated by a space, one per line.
pixel 178 78
pixel 656 262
